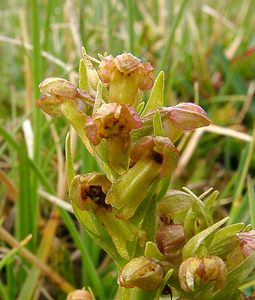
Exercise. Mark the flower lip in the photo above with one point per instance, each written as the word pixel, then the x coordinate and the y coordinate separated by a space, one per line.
pixel 49 105
pixel 112 120
pixel 89 191
pixel 127 62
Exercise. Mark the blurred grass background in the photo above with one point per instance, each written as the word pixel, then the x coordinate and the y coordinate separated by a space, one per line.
pixel 207 50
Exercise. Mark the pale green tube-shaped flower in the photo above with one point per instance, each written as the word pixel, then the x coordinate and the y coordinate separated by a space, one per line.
pixel 143 272
pixel 153 157
pixel 87 193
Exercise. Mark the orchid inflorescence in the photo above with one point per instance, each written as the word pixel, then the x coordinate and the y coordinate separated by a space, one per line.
pixel 158 237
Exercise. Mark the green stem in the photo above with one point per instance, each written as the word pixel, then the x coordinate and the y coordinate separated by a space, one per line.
pixel 135 294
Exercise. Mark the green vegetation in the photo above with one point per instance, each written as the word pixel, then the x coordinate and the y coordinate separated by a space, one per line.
pixel 207 51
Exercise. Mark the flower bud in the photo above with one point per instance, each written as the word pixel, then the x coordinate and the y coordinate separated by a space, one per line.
pixel 195 272
pixel 57 91
pixel 79 295
pixel 245 248
pixel 188 116
pixel 58 87
pixel 154 157
pixel 126 75
pixel 247 242
pixel 182 118
pixel 142 272
pixel 177 119
pixel 170 240
pixel 174 206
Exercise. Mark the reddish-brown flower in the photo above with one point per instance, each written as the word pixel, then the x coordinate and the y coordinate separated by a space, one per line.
pixel 125 74
pixel 170 240
pixel 182 118
pixel 245 247
pixel 89 191
pixel 247 242
pixel 57 91
pixel 112 120
pixel 197 271
pixel 178 119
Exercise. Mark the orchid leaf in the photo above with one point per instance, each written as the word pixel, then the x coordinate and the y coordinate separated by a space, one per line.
pixel 156 99
pixel 225 239
pixel 157 124
pixel 69 161
pixel 192 246
pixel 83 77
pixel 140 107
pixel 209 201
pixel 163 284
pixel 200 208
pixel 99 97
pixel 152 250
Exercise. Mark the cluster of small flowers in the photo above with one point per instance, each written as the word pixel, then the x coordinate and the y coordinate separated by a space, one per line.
pixel 134 144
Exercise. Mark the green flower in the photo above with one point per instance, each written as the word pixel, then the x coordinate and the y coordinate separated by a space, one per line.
pixel 126 75
pixel 152 157
pixel 58 91
pixel 195 272
pixel 87 195
pixel 113 121
pixel 143 272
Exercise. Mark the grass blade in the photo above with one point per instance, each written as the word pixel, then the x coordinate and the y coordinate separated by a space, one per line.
pixel 234 211
pixel 169 43
pixel 130 20
pixel 251 198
